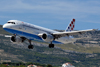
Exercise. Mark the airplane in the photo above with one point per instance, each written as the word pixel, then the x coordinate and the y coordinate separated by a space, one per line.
pixel 24 31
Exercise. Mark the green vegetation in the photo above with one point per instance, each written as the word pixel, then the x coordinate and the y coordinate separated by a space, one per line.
pixel 46 57
pixel 79 48
pixel 20 64
pixel 37 55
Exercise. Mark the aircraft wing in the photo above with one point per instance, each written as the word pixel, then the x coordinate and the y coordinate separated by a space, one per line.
pixel 8 35
pixel 69 33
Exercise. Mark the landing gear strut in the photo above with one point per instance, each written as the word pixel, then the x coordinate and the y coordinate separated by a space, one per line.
pixel 30 46
pixel 51 45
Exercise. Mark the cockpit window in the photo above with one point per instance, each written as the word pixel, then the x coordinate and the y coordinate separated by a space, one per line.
pixel 11 22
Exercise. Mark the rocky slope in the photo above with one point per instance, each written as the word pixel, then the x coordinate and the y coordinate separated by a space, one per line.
pixel 83 53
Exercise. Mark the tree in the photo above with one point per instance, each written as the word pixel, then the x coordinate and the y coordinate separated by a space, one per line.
pixel 49 65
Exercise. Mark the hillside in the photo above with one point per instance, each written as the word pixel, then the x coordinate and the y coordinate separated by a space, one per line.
pixel 78 54
pixel 9 51
pixel 87 43
pixel 43 55
pixel 84 45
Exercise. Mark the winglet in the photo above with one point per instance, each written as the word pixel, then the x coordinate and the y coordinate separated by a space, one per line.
pixel 71 25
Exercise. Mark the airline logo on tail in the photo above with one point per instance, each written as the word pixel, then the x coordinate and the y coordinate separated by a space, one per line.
pixel 71 25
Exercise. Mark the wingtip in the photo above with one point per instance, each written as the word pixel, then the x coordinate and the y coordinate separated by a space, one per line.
pixel 95 29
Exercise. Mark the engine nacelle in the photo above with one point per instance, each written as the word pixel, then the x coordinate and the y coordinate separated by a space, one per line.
pixel 16 39
pixel 47 37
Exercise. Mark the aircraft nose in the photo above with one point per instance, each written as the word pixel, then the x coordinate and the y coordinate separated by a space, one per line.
pixel 4 26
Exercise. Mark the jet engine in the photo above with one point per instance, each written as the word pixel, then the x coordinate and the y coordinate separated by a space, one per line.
pixel 16 39
pixel 46 37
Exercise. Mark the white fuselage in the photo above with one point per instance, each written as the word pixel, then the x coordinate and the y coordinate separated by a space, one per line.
pixel 31 31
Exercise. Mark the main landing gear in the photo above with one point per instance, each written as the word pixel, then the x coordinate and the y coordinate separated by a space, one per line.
pixel 51 45
pixel 30 46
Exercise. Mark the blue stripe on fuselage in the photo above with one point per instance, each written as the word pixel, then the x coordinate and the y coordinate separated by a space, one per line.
pixel 28 35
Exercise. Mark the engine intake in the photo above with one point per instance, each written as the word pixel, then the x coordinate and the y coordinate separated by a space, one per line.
pixel 46 37
pixel 13 39
pixel 16 39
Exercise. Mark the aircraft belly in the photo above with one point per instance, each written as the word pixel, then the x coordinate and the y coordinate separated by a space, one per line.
pixel 32 35
pixel 24 34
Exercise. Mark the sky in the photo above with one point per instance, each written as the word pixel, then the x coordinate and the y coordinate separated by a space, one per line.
pixel 53 14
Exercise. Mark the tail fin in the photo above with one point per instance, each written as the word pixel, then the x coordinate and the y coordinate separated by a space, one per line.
pixel 71 25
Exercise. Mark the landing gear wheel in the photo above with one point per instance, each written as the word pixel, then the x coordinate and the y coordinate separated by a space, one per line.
pixel 30 46
pixel 51 45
